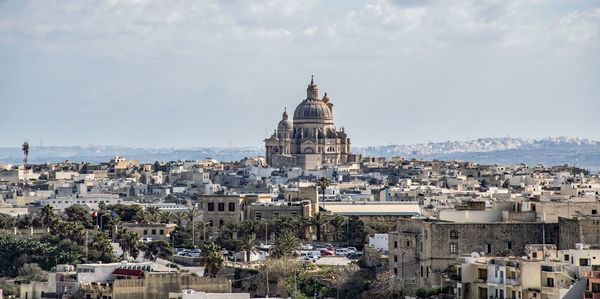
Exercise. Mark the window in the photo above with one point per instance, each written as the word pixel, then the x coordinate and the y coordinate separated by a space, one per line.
pixel 596 287
pixel 162 232
pixel 395 258
pixel 509 245
pixel 221 206
pixel 453 248
pixel 257 215
pixel 566 258
pixel 550 282
pixel 154 232
pixel 453 234
pixel 221 223
pixel 231 206
pixel 489 247
pixel 407 243
pixel 584 262
pixel 421 271
pixel 395 244
pixel 145 232
pixel 396 271
pixel 482 274
pixel 211 206
pixel 594 212
pixel 534 255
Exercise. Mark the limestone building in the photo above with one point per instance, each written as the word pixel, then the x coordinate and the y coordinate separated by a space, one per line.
pixel 310 140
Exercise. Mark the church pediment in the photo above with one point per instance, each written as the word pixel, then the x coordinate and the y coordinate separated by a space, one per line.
pixel 307 141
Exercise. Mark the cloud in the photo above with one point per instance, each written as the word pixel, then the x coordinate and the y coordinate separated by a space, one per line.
pixel 236 57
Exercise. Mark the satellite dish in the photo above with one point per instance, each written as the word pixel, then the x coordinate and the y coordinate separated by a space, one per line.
pixel 475 255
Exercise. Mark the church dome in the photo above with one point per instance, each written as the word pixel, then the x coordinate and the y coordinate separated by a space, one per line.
pixel 312 108
pixel 284 124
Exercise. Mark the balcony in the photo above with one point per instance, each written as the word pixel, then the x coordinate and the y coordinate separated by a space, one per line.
pixel 513 282
pixel 496 280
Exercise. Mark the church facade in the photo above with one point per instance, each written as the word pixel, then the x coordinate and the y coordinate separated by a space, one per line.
pixel 310 140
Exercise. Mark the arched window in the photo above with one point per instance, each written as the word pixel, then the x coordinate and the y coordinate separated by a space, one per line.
pixel 309 150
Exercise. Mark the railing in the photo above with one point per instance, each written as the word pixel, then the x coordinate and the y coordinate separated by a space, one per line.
pixel 512 282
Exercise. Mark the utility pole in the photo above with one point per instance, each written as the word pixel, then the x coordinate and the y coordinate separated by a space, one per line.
pixel 267 296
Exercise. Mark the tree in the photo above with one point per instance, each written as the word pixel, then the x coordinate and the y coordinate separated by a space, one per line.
pixel 249 227
pixel 47 215
pixel 203 227
pixel 142 216
pixel 323 183
pixel 33 272
pixel 157 249
pixel 179 217
pixel 231 229
pixel 129 241
pixel 214 263
pixel 74 231
pixel 336 222
pixel 125 212
pixel 248 245
pixel 153 214
pixel 213 259
pixel 317 220
pixel 167 217
pixel 100 249
pixel 192 212
pixel 287 244
pixel 81 214
pixel 16 252
pixel 6 221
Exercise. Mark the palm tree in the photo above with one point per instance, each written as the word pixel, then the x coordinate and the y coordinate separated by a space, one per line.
pixel 142 216
pixel 167 217
pixel 248 245
pixel 129 241
pixel 25 149
pixel 250 227
pixel 336 222
pixel 286 244
pixel 153 213
pixel 179 217
pixel 232 229
pixel 318 220
pixel 214 262
pixel 192 212
pixel 203 226
pixel 323 183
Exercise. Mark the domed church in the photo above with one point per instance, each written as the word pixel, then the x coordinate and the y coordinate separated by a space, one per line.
pixel 309 141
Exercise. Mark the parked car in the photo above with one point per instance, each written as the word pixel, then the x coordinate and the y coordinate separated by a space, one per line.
pixel 341 252
pixel 307 259
pixel 325 251
pixel 354 255
pixel 351 249
pixel 306 247
pixel 146 239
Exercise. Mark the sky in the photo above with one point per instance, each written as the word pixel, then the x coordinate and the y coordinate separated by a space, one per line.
pixel 184 73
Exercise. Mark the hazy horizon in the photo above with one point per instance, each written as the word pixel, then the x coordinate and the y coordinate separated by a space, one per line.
pixel 34 145
pixel 143 73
